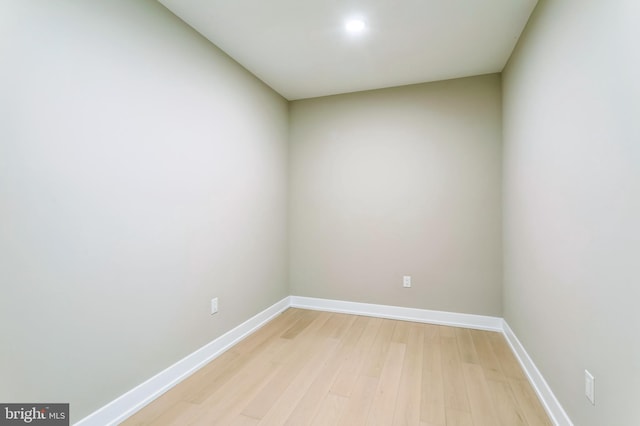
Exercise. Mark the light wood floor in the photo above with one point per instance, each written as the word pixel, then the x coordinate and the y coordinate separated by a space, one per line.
pixel 320 368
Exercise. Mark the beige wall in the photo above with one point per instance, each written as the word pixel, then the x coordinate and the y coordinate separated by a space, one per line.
pixel 142 172
pixel 402 181
pixel 572 203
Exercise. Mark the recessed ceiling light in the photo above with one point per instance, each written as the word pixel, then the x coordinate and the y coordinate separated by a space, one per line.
pixel 355 25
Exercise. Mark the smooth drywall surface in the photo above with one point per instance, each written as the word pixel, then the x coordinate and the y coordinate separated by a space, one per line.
pixel 572 203
pixel 393 182
pixel 142 172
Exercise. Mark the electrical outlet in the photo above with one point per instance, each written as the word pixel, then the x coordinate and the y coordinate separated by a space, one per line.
pixel 406 281
pixel 589 387
pixel 214 305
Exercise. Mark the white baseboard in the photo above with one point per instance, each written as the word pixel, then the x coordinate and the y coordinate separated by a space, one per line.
pixel 551 404
pixel 480 322
pixel 126 405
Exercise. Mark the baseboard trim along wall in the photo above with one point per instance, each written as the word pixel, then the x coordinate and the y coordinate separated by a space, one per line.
pixel 134 400
pixel 539 384
pixel 128 404
pixel 399 313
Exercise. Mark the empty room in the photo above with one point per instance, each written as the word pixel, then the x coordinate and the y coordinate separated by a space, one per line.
pixel 316 212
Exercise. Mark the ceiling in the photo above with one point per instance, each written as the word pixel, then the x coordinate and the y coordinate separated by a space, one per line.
pixel 301 48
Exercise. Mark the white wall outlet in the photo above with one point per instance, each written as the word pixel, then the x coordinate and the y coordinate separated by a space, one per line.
pixel 589 387
pixel 406 281
pixel 214 305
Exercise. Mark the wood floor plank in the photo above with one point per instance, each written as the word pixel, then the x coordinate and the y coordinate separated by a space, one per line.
pixel 455 392
pixel 354 362
pixel 181 413
pixel 198 387
pixel 458 417
pixel 312 367
pixel 447 332
pixel 508 363
pixel 359 401
pixel 216 374
pixel 504 402
pixel 386 394
pixel 230 400
pixel 296 390
pixel 290 364
pixel 480 402
pixel 307 406
pixel 374 361
pixel 432 410
pixel 401 332
pixel 329 410
pixel 487 356
pixel 465 346
pixel 337 325
pixel 274 327
pixel 265 399
pixel 407 409
pixel 528 401
pixel 242 420
pixel 303 321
